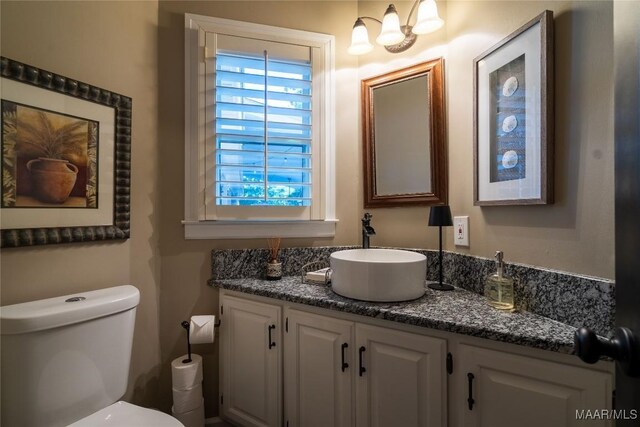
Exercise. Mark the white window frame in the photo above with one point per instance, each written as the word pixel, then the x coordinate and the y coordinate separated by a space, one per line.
pixel 196 224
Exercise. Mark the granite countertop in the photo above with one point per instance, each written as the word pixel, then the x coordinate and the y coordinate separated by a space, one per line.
pixel 459 311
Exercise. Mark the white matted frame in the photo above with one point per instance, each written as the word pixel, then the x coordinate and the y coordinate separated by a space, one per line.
pixel 513 118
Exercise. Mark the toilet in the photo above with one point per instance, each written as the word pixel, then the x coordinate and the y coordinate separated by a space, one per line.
pixel 65 361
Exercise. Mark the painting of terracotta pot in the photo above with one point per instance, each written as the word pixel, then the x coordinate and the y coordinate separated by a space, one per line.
pixel 52 179
pixel 53 158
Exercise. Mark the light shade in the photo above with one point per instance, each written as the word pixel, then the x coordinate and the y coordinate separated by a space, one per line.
pixel 428 20
pixel 390 33
pixel 359 39
pixel 440 216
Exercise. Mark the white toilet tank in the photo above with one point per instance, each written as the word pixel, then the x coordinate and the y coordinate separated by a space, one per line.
pixel 67 357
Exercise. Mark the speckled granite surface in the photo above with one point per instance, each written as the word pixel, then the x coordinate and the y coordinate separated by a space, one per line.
pixel 250 263
pixel 458 311
pixel 571 299
pixel 568 298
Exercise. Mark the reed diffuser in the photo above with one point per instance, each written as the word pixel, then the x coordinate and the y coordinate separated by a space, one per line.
pixel 274 266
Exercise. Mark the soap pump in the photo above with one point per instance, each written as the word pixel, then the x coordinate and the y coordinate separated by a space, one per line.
pixel 498 288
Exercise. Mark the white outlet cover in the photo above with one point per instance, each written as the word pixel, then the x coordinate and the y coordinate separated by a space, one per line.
pixel 461 230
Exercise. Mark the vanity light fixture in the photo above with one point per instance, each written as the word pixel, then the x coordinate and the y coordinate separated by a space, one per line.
pixel 393 37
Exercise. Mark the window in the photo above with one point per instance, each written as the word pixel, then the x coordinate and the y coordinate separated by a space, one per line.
pixel 258 131
pixel 263 130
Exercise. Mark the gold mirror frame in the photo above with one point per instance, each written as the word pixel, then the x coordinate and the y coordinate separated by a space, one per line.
pixel 437 136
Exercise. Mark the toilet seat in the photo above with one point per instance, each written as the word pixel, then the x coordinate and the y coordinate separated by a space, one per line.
pixel 127 415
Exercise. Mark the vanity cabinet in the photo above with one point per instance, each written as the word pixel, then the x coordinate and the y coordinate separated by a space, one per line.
pixel 324 368
pixel 399 377
pixel 318 370
pixel 508 390
pixel 251 350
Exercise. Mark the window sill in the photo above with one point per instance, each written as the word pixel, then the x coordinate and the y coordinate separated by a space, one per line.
pixel 258 229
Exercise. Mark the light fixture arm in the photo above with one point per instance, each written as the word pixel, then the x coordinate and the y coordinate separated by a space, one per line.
pixel 371 18
pixel 413 8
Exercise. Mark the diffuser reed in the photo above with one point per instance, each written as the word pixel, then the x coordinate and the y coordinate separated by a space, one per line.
pixel 274 267
pixel 274 248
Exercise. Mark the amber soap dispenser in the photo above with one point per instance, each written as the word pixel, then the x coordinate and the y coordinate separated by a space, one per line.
pixel 498 288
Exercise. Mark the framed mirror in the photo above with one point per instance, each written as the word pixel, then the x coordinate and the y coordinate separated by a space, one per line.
pixel 404 137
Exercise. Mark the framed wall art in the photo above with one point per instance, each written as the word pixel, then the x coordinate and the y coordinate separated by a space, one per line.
pixel 65 159
pixel 513 118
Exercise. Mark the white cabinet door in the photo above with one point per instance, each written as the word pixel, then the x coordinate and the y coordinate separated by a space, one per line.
pixel 400 378
pixel 318 366
pixel 510 390
pixel 250 369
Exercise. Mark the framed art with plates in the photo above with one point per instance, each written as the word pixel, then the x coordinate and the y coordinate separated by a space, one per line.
pixel 513 118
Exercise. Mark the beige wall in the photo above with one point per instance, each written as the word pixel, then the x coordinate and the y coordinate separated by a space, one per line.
pixel 576 233
pixel 136 48
pixel 185 264
pixel 112 46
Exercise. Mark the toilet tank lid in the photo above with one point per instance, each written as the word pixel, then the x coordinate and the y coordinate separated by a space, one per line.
pixel 66 310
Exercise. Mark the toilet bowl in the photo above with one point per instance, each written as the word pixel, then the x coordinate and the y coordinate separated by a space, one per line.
pixel 65 361
pixel 126 414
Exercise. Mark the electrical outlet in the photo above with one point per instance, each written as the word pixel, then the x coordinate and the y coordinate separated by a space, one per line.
pixel 461 230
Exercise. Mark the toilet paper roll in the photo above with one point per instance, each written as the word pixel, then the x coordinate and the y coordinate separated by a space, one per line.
pixel 202 329
pixel 187 400
pixel 193 418
pixel 186 375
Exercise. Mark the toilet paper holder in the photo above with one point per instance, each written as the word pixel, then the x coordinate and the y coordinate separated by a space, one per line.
pixel 186 325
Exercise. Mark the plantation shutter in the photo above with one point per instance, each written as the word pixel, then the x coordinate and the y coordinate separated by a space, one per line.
pixel 263 123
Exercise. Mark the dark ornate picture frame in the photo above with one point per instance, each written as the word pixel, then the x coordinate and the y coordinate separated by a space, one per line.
pixel 513 126
pixel 122 108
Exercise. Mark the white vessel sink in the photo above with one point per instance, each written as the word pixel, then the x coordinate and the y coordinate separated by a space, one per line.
pixel 381 275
